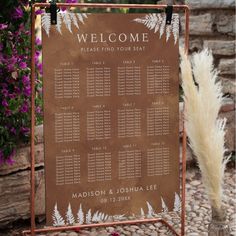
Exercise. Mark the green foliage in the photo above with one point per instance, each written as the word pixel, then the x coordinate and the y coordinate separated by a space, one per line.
pixel 15 87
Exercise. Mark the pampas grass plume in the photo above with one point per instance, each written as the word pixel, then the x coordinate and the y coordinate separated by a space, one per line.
pixel 203 99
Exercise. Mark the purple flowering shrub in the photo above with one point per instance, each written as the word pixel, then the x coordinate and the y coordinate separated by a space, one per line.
pixel 15 88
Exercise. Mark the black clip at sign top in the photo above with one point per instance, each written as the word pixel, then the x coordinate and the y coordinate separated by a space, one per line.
pixel 169 12
pixel 53 12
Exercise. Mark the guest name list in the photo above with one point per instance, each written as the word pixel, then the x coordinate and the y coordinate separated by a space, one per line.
pixel 110 115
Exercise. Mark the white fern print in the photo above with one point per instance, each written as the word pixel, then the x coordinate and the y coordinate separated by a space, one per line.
pixel 59 23
pixel 151 211
pixel 149 20
pixel 46 22
pixel 80 215
pixel 158 23
pixel 177 203
pixel 95 217
pixel 163 205
pixel 70 220
pixel 57 218
pixel 142 214
pixel 159 20
pixel 67 18
pixel 119 217
pixel 168 32
pixel 175 26
pixel 81 17
pixel 85 15
pixel 89 217
pixel 74 19
pixel 162 26
pixel 99 217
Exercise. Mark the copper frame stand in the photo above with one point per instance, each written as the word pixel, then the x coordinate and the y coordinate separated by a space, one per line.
pixel 32 231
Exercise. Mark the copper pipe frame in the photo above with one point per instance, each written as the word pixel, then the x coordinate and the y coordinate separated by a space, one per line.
pixel 33 229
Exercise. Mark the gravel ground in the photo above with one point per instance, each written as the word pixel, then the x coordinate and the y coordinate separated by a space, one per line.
pixel 198 214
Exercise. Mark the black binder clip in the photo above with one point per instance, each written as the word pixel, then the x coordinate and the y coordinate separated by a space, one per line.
pixel 31 2
pixel 169 12
pixel 53 12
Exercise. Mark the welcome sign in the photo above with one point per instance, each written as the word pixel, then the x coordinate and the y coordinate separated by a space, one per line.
pixel 111 115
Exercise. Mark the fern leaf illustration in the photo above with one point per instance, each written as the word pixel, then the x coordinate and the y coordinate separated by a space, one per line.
pixel 100 216
pixel 168 32
pixel 150 210
pixel 46 22
pixel 59 23
pixel 74 19
pixel 81 17
pixel 175 27
pixel 159 20
pixel 118 217
pixel 57 218
pixel 142 213
pixel 67 20
pixel 80 215
pixel 177 203
pixel 151 22
pixel 106 217
pixel 163 205
pixel 163 26
pixel 89 217
pixel 156 22
pixel 95 217
pixel 85 15
pixel 70 220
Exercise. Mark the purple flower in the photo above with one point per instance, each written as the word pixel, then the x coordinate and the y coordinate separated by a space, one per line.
pixel 8 112
pixel 38 110
pixel 115 234
pixel 4 85
pixel 25 79
pixel 17 90
pixel 13 130
pixel 13 60
pixel 24 130
pixel 18 13
pixel 40 68
pixel 5 92
pixel 39 12
pixel 38 41
pixel 27 91
pixel 5 103
pixel 1 157
pixel 24 108
pixel 22 65
pixel 3 26
pixel 10 160
pixel 69 1
pixel 12 95
pixel 10 67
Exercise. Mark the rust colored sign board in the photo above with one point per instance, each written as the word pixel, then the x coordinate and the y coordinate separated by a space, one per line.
pixel 111 116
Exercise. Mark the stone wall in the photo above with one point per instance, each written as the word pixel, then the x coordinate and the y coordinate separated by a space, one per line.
pixel 212 24
pixel 15 184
